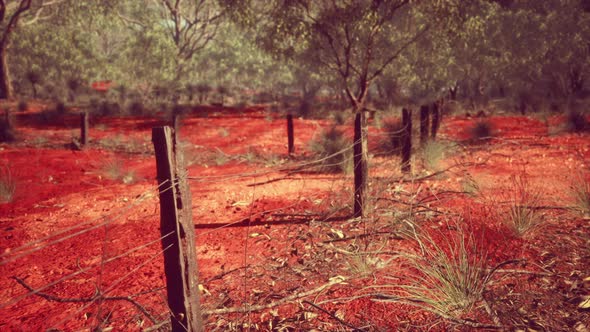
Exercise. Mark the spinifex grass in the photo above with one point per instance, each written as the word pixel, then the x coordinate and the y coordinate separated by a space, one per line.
pixel 434 152
pixel 580 193
pixel 446 272
pixel 334 151
pixel 523 215
pixel 115 170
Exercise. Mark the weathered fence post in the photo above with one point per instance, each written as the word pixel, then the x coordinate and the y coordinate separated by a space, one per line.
pixel 435 120
pixel 290 134
pixel 178 236
pixel 424 122
pixel 176 120
pixel 84 128
pixel 406 140
pixel 361 168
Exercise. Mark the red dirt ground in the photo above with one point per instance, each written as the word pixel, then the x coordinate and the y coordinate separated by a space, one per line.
pixel 87 222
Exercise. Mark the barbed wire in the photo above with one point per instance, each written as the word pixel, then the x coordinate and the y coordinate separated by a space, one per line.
pixel 23 250
pixel 83 270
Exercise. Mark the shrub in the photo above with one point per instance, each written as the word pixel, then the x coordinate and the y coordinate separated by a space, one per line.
pixel 7 185
pixel 60 108
pixel 576 122
pixel 339 117
pixel 22 106
pixel 74 85
pixel 482 130
pixel 137 108
pixel 393 137
pixel 7 132
pixel 433 153
pixel 203 91
pixel 107 108
pixel 34 77
pixel 334 151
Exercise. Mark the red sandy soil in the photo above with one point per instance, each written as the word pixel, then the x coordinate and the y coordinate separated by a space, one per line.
pixel 264 234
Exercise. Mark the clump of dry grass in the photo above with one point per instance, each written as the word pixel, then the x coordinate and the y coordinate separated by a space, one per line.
pixel 115 170
pixel 523 216
pixel 334 151
pixel 7 185
pixel 580 193
pixel 448 272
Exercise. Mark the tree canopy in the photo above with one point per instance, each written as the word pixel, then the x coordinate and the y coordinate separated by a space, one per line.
pixel 417 48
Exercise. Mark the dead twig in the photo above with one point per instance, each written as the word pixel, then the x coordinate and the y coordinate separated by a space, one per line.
pixel 354 328
pixel 53 298
pixel 273 304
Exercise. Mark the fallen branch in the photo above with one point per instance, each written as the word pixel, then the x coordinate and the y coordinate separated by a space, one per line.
pixel 275 303
pixel 420 304
pixel 354 328
pixel 93 298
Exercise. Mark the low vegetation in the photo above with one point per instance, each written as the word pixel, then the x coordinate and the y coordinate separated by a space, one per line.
pixel 522 215
pixel 7 185
pixel 333 151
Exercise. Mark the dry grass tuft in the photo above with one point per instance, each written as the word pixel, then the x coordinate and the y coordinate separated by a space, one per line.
pixel 7 185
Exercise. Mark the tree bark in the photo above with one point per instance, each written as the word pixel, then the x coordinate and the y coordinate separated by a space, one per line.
pixel 6 91
pixel 361 167
pixel 407 141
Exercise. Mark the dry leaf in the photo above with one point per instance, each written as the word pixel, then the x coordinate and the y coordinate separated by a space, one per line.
pixel 204 290
pixel 586 303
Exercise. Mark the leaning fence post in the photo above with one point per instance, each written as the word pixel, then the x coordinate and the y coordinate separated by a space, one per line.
pixel 84 128
pixel 178 237
pixel 290 137
pixel 407 140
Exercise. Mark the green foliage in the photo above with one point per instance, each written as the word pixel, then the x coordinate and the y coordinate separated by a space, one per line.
pixel 334 151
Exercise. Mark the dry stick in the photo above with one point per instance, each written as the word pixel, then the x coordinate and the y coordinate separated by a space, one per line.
pixel 354 328
pixel 419 304
pixel 50 297
pixel 275 303
pixel 444 170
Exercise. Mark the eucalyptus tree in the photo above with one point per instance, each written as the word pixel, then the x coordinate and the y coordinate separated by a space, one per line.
pixel 356 41
pixel 12 12
pixel 191 25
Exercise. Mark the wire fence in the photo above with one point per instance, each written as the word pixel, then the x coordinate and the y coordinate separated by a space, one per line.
pixel 265 237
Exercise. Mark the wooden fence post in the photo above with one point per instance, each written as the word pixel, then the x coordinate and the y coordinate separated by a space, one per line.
pixel 178 235
pixel 406 140
pixel 424 122
pixel 290 134
pixel 84 128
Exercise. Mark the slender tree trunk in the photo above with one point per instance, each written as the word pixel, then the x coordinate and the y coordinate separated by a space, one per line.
pixel 5 84
pixel 361 167
pixel 407 141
